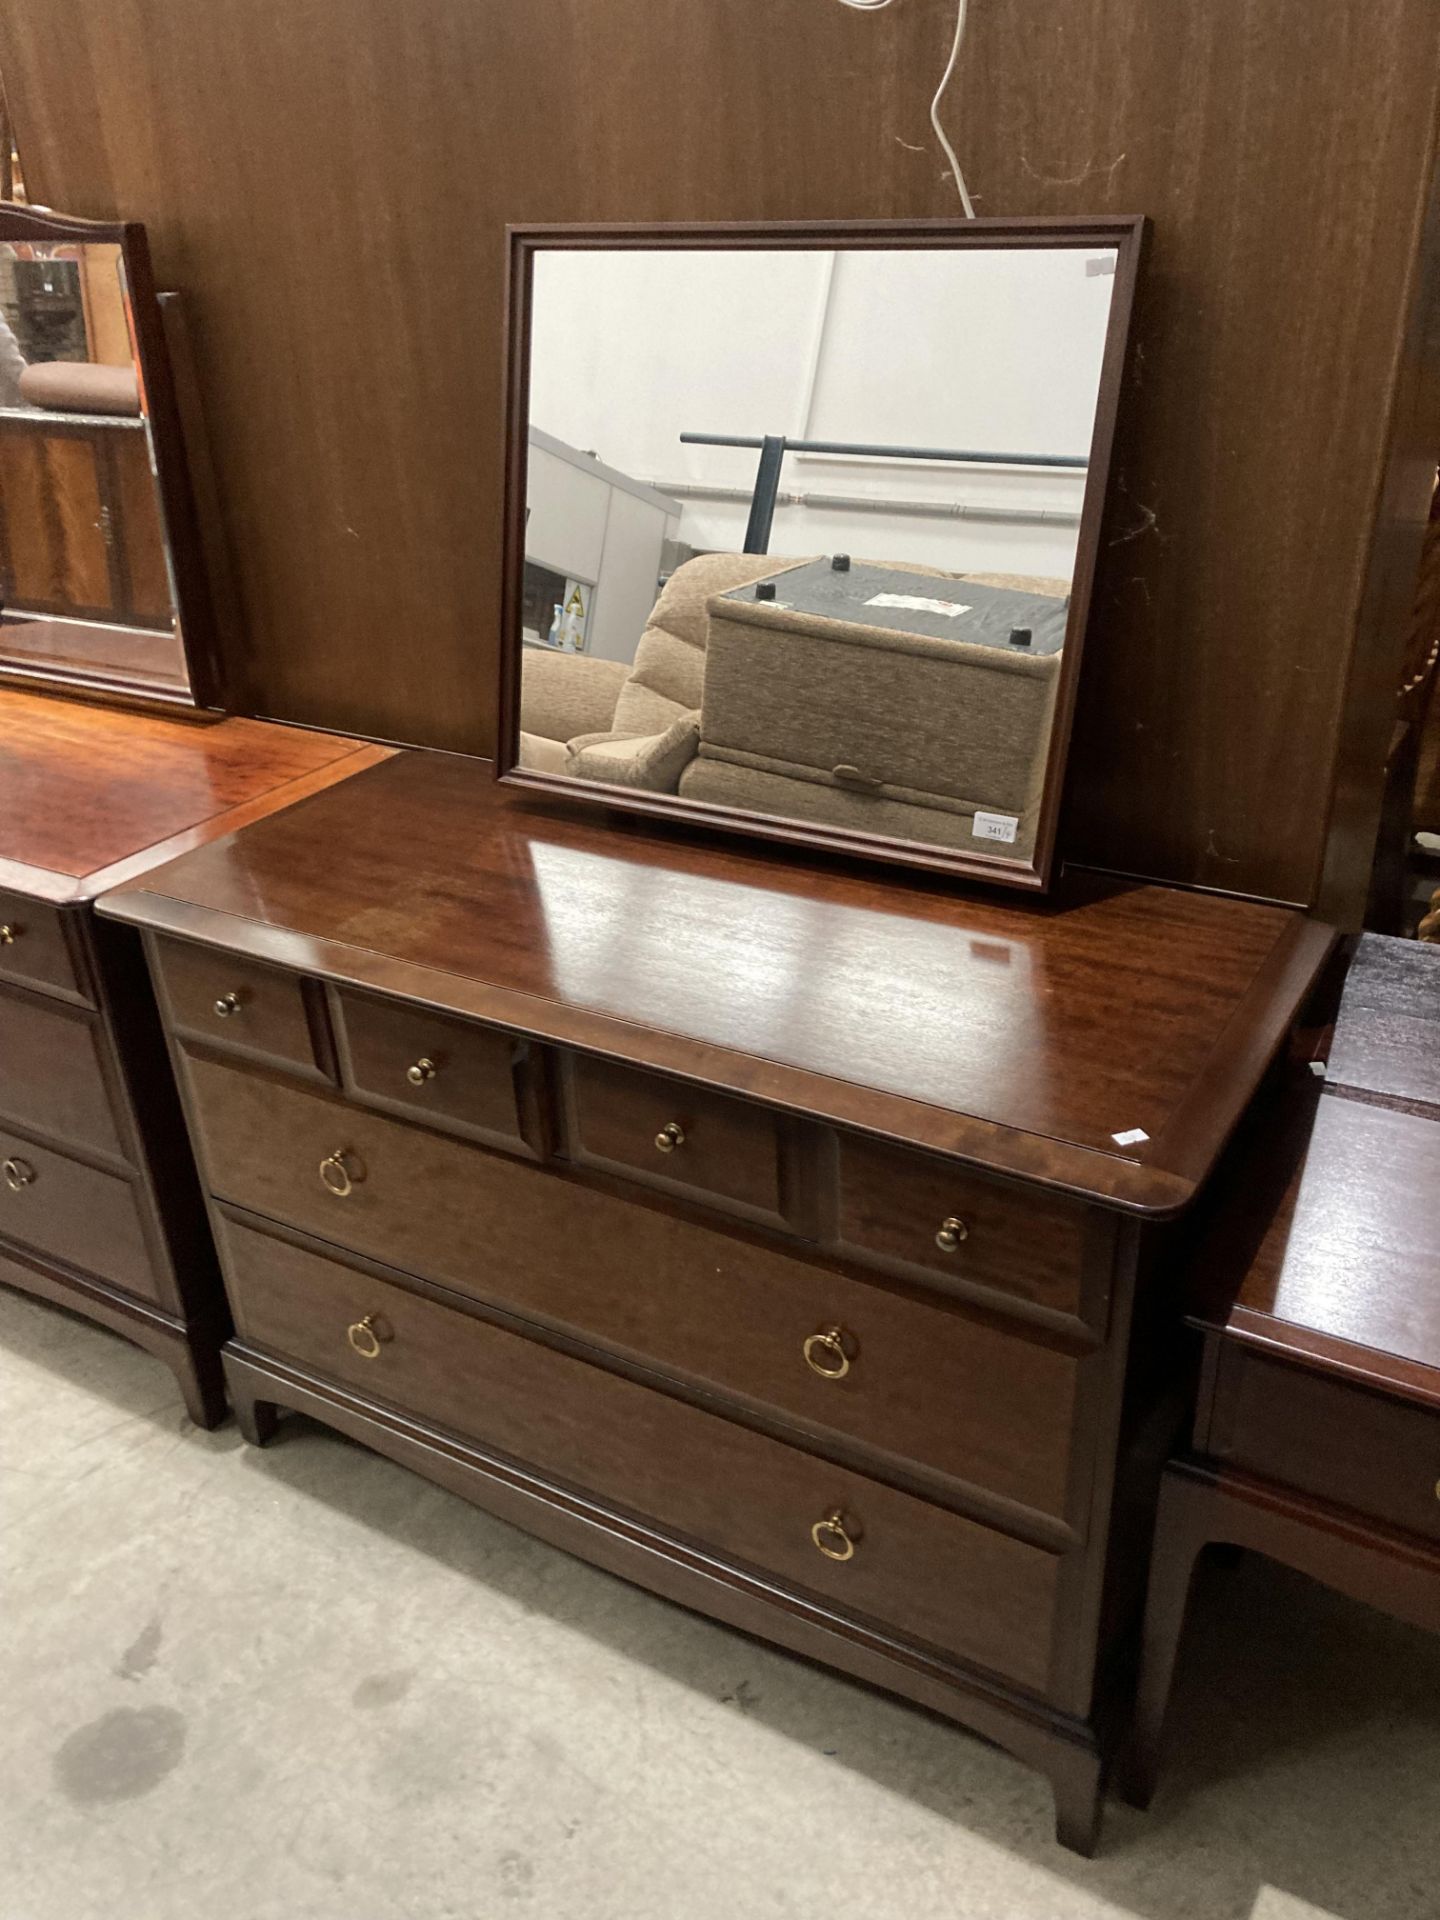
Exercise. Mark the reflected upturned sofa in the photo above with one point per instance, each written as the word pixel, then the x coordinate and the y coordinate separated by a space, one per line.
pixel 876 729
pixel 764 710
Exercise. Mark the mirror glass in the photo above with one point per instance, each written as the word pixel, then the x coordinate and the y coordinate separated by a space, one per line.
pixel 85 573
pixel 805 528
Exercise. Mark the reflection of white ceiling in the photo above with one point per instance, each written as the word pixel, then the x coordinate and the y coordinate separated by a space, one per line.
pixel 715 959
pixel 994 348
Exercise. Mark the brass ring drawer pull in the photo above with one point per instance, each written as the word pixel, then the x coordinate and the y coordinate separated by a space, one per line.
pixel 9 934
pixel 227 1006
pixel 336 1175
pixel 825 1354
pixel 19 1174
pixel 366 1338
pixel 424 1069
pixel 832 1538
pixel 952 1231
pixel 670 1136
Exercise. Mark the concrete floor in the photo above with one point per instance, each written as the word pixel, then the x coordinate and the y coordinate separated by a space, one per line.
pixel 304 1684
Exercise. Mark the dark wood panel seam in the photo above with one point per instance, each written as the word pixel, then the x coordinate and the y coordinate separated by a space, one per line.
pixel 65 999
pixel 116 1166
pixel 290 793
pixel 1076 867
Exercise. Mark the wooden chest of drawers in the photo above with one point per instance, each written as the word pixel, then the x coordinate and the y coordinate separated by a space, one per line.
pixel 100 1208
pixel 845 1359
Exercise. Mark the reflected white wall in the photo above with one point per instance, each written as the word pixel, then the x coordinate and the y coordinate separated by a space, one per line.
pixel 994 348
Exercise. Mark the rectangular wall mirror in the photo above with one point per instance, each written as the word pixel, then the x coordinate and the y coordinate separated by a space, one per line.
pixel 100 573
pixel 802 522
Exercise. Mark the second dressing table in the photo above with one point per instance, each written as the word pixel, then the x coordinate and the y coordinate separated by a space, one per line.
pixel 99 1206
pixel 788 1239
pixel 1316 1438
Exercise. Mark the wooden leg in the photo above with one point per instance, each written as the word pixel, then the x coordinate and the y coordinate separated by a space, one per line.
pixel 202 1384
pixel 256 1419
pixel 1077 1781
pixel 1182 1527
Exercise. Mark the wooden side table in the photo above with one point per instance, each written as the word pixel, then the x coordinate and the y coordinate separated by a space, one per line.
pixel 1317 1432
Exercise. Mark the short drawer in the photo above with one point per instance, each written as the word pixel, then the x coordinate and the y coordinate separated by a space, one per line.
pixel 90 1220
pixel 1329 1438
pixel 930 1574
pixel 928 1384
pixel 915 1215
pixel 707 1146
pixel 50 1074
pixel 476 1080
pixel 33 947
pixel 236 1004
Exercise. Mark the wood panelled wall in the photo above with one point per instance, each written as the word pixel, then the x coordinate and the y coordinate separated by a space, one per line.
pixel 328 181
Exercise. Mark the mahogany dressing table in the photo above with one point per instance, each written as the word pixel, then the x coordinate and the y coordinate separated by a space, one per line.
pixel 100 1208
pixel 1317 1433
pixel 786 1237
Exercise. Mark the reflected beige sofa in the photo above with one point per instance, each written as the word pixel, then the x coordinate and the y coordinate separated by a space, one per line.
pixel 632 726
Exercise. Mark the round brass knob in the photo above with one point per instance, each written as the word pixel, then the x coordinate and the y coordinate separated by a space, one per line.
pixel 9 934
pixel 670 1136
pixel 366 1338
pixel 18 1175
pixel 424 1069
pixel 952 1231
pixel 226 1005
pixel 832 1537
pixel 825 1354
pixel 336 1176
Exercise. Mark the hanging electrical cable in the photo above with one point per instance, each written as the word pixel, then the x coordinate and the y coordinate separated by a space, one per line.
pixel 875 6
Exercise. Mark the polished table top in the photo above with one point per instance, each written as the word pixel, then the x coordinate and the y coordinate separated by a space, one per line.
pixel 90 795
pixel 1332 1251
pixel 1105 1041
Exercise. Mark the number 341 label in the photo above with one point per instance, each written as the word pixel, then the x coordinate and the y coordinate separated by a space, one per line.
pixel 995 826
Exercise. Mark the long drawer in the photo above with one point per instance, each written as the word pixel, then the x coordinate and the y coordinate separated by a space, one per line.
pixel 91 1220
pixel 1327 1437
pixel 928 1573
pixel 50 1074
pixel 928 1383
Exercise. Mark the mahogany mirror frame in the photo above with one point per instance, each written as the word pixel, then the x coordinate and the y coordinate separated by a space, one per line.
pixel 1126 234
pixel 194 606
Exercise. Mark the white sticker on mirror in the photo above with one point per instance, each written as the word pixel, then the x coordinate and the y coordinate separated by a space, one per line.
pixel 917 603
pixel 995 826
